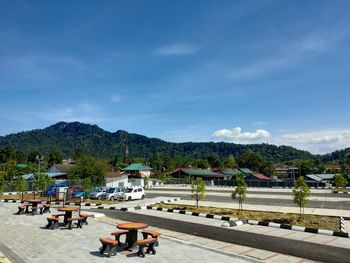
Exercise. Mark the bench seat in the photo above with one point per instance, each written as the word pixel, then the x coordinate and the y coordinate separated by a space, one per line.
pixel 108 244
pixel 148 242
pixel 118 234
pixel 85 217
pixel 78 219
pixel 52 222
pixel 153 234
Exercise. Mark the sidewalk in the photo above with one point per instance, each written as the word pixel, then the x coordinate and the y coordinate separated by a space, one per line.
pixel 269 208
pixel 265 196
pixel 24 238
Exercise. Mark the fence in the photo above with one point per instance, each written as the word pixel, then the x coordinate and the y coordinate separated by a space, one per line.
pixel 250 183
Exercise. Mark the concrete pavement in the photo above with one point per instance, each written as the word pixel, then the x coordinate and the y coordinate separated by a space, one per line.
pixel 264 245
pixel 24 238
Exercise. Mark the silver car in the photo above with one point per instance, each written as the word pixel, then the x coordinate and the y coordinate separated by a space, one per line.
pixel 112 193
pixel 97 192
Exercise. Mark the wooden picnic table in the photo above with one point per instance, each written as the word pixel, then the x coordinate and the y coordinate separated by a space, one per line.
pixel 34 203
pixel 68 212
pixel 131 236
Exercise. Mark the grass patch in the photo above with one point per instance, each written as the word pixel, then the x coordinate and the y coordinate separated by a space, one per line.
pixel 314 221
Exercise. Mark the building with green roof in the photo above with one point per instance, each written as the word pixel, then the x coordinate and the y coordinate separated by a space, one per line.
pixel 137 170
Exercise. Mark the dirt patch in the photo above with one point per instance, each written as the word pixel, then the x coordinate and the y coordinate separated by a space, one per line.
pixel 314 221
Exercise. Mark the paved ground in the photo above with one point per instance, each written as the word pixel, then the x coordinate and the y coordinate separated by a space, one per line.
pixel 323 199
pixel 262 191
pixel 263 241
pixel 24 239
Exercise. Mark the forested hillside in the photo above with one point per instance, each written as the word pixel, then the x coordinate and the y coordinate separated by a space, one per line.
pixel 92 140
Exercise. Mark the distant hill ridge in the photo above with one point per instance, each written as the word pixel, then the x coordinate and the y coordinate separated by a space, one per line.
pixel 92 140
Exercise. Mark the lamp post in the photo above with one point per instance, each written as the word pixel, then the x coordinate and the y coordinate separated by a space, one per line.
pixel 39 159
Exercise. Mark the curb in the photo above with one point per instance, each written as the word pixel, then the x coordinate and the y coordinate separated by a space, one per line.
pixel 232 220
pixel 99 205
pixel 236 222
pixel 300 228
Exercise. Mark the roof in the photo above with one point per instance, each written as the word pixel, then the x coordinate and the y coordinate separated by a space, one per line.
pixel 231 172
pixel 63 168
pixel 183 168
pixel 260 176
pixel 313 177
pixel 320 177
pixel 326 176
pixel 136 167
pixel 203 173
pixel 52 175
pixel 115 174
pixel 246 170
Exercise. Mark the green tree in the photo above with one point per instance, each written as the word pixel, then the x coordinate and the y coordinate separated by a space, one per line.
pixel 2 181
pixel 214 161
pixel 55 157
pixel 89 167
pixel 255 162
pixel 198 189
pixel 301 192
pixel 202 164
pixel 87 185
pixel 21 185
pixel 230 162
pixel 11 170
pixel 340 181
pixel 7 153
pixel 32 156
pixel 347 158
pixel 241 191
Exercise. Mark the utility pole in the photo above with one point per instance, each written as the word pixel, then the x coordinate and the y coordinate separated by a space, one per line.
pixel 39 159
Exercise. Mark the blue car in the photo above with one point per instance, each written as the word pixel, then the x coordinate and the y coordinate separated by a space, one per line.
pixel 77 191
pixel 51 190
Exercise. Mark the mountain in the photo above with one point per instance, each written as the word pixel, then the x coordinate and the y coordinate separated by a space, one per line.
pixel 92 140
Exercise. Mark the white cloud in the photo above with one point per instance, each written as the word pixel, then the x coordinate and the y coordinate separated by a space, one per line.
pixel 236 135
pixel 317 142
pixel 291 55
pixel 177 49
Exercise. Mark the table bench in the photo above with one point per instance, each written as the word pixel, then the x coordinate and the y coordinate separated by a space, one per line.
pixel 118 234
pixel 52 222
pixel 78 219
pixel 150 242
pixel 108 244
pixel 153 234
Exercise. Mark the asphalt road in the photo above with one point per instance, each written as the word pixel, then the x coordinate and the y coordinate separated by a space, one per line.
pixel 254 192
pixel 258 201
pixel 296 248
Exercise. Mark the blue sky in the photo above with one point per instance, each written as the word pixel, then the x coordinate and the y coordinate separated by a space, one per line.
pixel 235 71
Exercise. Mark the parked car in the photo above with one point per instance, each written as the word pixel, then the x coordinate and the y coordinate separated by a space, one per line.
pixel 132 193
pixel 51 190
pixel 112 193
pixel 77 191
pixel 97 192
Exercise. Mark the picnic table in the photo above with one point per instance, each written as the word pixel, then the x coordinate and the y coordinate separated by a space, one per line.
pixel 34 203
pixel 68 212
pixel 131 236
